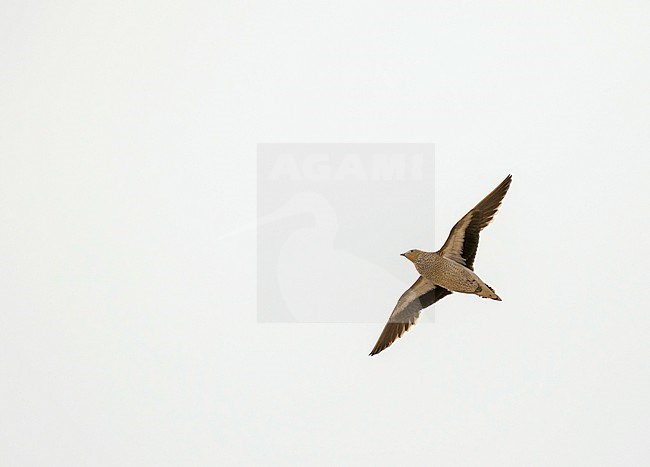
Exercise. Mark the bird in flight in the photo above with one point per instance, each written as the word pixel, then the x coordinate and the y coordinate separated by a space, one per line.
pixel 450 269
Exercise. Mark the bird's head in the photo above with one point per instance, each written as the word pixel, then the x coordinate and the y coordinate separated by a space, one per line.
pixel 412 255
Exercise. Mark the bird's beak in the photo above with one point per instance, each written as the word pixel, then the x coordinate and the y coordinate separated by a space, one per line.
pixel 402 254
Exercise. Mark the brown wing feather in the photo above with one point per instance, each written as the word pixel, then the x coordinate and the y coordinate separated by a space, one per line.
pixel 419 296
pixel 462 243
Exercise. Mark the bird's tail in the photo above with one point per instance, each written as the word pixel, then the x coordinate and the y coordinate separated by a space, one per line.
pixel 488 292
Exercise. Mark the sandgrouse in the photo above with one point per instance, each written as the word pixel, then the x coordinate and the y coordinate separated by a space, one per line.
pixel 450 269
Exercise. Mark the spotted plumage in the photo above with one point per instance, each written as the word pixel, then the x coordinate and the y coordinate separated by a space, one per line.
pixel 449 274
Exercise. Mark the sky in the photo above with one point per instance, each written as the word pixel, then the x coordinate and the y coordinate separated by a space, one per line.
pixel 130 329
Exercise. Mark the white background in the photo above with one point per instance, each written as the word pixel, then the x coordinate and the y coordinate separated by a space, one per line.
pixel 128 135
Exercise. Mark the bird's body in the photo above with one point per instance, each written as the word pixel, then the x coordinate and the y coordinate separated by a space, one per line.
pixel 450 269
pixel 452 276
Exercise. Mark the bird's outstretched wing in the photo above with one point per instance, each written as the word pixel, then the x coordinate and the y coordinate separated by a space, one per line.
pixel 419 296
pixel 462 243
